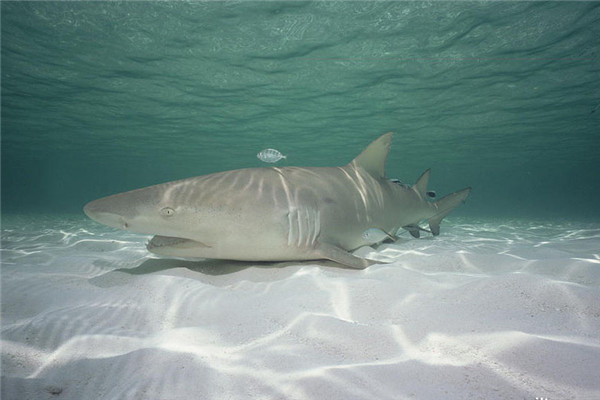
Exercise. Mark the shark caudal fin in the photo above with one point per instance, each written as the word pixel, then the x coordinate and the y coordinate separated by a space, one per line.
pixel 372 159
pixel 444 206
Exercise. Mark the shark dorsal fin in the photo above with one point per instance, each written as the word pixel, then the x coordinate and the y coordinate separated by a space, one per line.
pixel 372 159
pixel 421 185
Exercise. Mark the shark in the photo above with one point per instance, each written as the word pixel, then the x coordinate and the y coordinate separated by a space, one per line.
pixel 279 213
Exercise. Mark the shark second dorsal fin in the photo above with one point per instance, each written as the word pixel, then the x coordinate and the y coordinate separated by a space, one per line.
pixel 421 186
pixel 372 159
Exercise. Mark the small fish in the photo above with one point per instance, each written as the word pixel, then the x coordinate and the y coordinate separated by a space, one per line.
pixel 376 235
pixel 431 194
pixel 270 155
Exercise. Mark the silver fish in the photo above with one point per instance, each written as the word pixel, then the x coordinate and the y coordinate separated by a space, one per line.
pixel 270 155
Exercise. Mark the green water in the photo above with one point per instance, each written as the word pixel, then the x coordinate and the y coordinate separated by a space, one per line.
pixel 99 98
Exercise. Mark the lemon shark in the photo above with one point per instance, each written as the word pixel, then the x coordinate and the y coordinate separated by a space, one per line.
pixel 278 214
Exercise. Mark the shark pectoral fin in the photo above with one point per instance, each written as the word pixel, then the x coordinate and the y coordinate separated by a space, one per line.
pixel 444 206
pixel 339 255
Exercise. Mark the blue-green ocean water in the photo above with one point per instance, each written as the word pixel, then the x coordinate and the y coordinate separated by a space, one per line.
pixel 99 98
pixel 103 97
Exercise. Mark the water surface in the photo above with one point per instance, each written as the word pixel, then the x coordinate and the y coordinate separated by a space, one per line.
pixel 101 97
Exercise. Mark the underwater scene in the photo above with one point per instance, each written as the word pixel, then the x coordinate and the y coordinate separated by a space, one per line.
pixel 317 255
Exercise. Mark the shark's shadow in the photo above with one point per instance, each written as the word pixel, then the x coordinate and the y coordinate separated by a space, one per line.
pixel 200 269
pixel 206 267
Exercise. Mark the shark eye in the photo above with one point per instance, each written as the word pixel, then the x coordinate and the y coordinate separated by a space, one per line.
pixel 167 212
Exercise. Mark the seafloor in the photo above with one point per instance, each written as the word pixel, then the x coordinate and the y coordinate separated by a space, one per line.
pixel 489 309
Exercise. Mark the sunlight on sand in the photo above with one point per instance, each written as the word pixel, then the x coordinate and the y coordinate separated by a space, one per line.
pixel 507 309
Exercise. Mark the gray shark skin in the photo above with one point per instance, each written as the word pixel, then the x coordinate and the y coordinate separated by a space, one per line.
pixel 277 214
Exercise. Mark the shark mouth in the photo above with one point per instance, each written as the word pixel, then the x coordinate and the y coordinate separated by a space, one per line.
pixel 158 242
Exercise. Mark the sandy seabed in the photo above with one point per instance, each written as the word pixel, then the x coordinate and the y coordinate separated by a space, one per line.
pixel 487 310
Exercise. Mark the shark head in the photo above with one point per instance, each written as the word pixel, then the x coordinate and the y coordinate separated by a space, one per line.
pixel 152 210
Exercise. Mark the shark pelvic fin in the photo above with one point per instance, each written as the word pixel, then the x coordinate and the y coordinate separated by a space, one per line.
pixel 421 186
pixel 372 159
pixel 444 206
pixel 341 256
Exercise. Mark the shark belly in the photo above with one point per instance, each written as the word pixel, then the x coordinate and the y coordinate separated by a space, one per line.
pixel 277 237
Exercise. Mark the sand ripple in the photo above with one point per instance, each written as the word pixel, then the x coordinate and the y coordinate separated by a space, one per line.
pixel 491 309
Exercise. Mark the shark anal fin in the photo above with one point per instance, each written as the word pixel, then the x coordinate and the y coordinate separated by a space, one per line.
pixel 339 255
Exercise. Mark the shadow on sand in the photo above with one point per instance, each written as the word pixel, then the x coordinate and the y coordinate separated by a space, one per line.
pixel 218 267
pixel 204 268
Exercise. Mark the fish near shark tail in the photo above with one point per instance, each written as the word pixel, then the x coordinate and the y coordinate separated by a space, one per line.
pixel 444 206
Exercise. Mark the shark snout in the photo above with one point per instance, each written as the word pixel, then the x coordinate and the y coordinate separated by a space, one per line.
pixel 99 213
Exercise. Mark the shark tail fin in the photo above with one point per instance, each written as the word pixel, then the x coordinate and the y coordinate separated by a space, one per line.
pixel 421 186
pixel 372 159
pixel 444 206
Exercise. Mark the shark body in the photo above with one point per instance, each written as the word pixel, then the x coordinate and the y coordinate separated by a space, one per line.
pixel 277 214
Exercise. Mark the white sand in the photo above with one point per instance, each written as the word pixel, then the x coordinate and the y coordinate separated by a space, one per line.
pixel 484 311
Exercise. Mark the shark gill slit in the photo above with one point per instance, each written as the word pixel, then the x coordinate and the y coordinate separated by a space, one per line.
pixel 304 227
pixel 309 221
pixel 316 228
pixel 302 223
pixel 291 236
pixel 299 223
